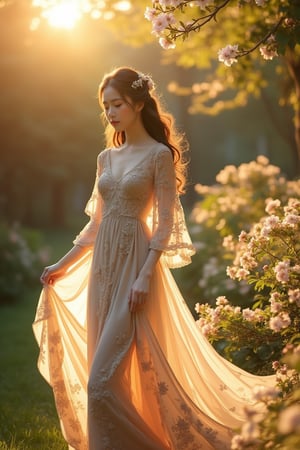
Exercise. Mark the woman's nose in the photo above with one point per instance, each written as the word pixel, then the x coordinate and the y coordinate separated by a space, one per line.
pixel 110 112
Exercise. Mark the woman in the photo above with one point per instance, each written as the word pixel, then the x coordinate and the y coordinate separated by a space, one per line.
pixel 150 380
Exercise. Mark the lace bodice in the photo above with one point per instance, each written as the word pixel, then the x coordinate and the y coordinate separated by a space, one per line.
pixel 131 195
pixel 146 192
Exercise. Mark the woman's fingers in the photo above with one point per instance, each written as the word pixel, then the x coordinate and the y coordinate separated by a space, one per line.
pixel 48 276
pixel 136 300
pixel 44 276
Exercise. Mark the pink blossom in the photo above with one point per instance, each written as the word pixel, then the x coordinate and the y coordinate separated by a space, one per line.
pixel 247 261
pixel 248 314
pixel 166 43
pixel 265 231
pixel 294 296
pixel 222 301
pixel 283 369
pixel 282 271
pixel 243 236
pixel 258 315
pixel 228 54
pixel 272 221
pixel 150 13
pixel 268 53
pixel 197 308
pixel 207 329
pixel 296 268
pixel 269 50
pixel 160 22
pixel 275 365
pixel 275 296
pixel 250 432
pixel 289 420
pixel 215 318
pixel 262 160
pixel 242 274
pixel 264 393
pixel 276 307
pixel 201 322
pixel 293 205
pixel 227 174
pixel 231 272
pixel 272 206
pixel 291 219
pixel 228 242
pixel 237 442
pixel 279 322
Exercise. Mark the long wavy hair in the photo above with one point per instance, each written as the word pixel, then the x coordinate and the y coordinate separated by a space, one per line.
pixel 158 123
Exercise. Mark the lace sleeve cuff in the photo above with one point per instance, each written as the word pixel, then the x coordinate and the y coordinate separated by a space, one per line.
pixel 169 231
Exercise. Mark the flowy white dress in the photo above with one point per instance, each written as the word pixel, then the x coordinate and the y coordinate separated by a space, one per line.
pixel 147 380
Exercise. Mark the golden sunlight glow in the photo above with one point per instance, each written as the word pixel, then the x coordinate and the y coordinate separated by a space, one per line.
pixel 122 6
pixel 64 14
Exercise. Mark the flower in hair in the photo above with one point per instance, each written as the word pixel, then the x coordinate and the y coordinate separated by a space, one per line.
pixel 141 79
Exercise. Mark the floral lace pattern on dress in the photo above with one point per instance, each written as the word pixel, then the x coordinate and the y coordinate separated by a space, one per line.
pixel 52 353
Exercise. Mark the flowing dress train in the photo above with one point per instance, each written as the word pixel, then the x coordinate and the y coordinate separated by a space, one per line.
pixel 143 381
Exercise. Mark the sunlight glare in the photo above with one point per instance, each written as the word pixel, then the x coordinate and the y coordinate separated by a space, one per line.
pixel 64 14
pixel 122 6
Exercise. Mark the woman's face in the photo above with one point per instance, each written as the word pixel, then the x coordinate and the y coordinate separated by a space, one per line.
pixel 121 113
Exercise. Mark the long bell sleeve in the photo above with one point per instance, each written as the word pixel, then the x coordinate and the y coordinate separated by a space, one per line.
pixel 93 209
pixel 169 231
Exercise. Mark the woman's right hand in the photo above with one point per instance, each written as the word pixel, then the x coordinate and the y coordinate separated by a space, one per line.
pixel 52 273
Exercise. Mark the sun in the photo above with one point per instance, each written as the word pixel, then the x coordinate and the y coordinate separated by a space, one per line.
pixel 64 14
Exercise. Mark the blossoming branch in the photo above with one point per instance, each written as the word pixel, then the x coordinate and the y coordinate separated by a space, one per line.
pixel 173 19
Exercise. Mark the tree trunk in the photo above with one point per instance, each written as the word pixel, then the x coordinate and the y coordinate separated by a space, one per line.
pixel 293 65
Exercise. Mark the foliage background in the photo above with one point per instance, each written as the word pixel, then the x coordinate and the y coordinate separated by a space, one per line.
pixel 49 117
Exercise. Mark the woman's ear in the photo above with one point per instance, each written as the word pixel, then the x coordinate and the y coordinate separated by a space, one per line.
pixel 139 106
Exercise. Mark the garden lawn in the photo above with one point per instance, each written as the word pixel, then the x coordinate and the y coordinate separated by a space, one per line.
pixel 28 418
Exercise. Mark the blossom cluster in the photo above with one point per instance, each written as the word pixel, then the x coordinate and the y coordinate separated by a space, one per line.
pixel 273 421
pixel 168 25
pixel 232 204
pixel 212 318
pixel 269 256
pixel 234 193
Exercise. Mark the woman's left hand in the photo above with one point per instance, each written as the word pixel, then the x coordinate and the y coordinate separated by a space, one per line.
pixel 139 293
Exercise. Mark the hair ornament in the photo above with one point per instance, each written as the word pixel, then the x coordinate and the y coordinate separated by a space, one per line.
pixel 141 79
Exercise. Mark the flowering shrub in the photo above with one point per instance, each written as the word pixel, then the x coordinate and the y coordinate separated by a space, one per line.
pixel 233 204
pixel 268 257
pixel 21 259
pixel 273 422
pixel 240 335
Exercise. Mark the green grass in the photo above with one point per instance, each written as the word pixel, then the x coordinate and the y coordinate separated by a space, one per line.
pixel 28 418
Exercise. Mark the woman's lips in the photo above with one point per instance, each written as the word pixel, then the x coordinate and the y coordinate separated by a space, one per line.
pixel 114 122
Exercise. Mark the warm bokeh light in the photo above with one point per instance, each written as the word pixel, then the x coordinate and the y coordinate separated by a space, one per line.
pixel 122 6
pixel 66 13
pixel 63 15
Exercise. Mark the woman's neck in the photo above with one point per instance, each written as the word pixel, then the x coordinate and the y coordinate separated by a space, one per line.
pixel 137 136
